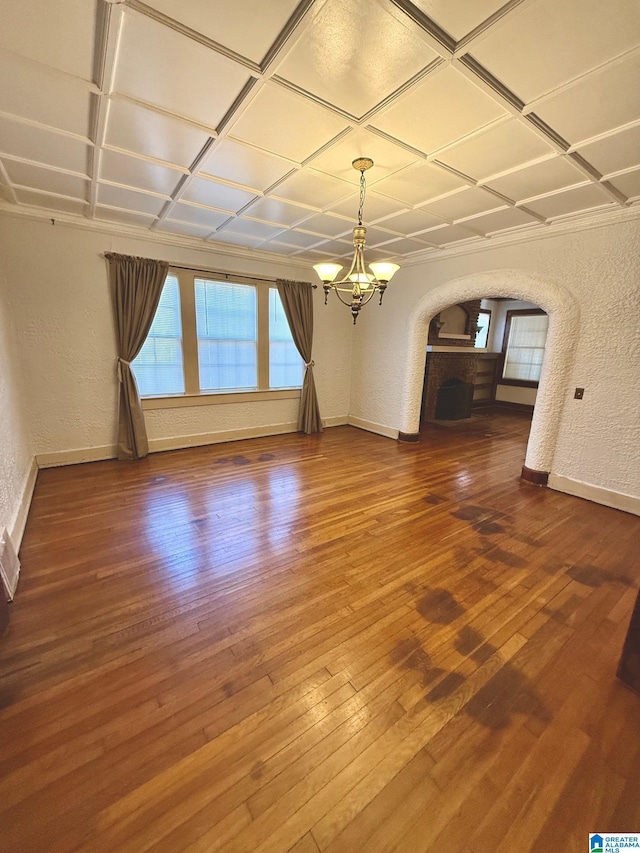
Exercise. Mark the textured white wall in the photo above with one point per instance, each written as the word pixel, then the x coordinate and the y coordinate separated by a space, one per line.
pixel 62 309
pixel 598 272
pixel 16 455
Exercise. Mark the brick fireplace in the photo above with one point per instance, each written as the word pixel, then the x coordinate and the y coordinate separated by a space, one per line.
pixel 442 367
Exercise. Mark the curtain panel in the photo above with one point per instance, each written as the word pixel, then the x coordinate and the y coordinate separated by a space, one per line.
pixel 297 301
pixel 136 287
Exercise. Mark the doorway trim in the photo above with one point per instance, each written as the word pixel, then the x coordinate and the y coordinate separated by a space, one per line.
pixel 562 338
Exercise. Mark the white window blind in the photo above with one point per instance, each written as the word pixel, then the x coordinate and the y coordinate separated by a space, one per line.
pixel 525 347
pixel 285 364
pixel 226 323
pixel 158 367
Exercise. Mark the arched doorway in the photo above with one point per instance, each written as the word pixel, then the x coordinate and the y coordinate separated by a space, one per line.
pixel 562 336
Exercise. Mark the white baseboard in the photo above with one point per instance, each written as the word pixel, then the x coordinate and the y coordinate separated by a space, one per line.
pixel 342 420
pixel 16 530
pixel 157 445
pixel 74 457
pixel 371 426
pixel 608 497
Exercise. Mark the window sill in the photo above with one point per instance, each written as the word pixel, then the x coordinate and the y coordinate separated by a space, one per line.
pixel 220 398
pixel 522 383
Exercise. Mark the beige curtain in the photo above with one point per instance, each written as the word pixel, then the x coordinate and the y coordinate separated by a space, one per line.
pixel 297 300
pixel 136 285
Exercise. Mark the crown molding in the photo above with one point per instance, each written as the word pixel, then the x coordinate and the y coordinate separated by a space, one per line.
pixel 527 235
pixel 481 244
pixel 114 229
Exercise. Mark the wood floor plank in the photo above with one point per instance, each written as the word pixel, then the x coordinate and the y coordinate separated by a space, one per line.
pixel 302 643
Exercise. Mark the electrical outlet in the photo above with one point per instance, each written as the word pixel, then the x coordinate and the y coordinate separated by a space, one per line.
pixel 578 394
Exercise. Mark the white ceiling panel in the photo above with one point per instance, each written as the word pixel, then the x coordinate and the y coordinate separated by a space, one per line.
pixel 301 128
pixel 53 202
pixel 56 34
pixel 500 220
pixel 541 178
pixel 34 143
pixel 144 131
pixel 244 165
pixel 628 184
pixel 281 159
pixel 405 246
pixel 114 196
pixel 387 157
pixel 375 207
pixel 227 236
pixel 550 43
pixel 419 183
pixel 298 239
pixel 504 146
pixel 251 228
pixel 459 17
pixel 186 228
pixel 125 217
pixel 449 234
pixel 247 27
pixel 570 201
pixel 327 225
pixel 48 180
pixel 460 105
pixel 162 67
pixel 390 51
pixel 602 102
pixel 305 185
pixel 204 217
pixel 614 153
pixel 376 235
pixel 337 248
pixel 464 203
pixel 135 172
pixel 275 210
pixel 215 194
pixel 411 221
pixel 36 93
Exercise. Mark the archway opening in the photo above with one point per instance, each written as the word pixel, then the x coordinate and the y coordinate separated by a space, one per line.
pixel 561 339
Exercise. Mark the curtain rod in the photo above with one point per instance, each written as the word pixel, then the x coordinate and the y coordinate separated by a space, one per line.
pixel 225 275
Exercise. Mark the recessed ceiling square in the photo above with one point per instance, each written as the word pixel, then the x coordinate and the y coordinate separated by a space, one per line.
pixel 177 72
pixel 464 203
pixel 546 44
pixel 244 165
pixel 614 153
pixel 458 17
pixel 419 183
pixel 540 178
pixel 286 123
pixel 444 107
pixel 574 200
pixel 387 157
pixel 215 194
pixel 388 52
pixel 135 172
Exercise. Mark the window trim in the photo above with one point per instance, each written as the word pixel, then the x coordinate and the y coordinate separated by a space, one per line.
pixel 192 395
pixel 522 383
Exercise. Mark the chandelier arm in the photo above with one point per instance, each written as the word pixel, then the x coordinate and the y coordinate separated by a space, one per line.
pixel 344 301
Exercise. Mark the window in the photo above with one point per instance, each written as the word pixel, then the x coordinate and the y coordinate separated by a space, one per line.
pixel 227 326
pixel 214 337
pixel 158 366
pixel 523 348
pixel 484 321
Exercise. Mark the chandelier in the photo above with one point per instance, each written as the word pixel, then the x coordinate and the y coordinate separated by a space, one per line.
pixel 358 285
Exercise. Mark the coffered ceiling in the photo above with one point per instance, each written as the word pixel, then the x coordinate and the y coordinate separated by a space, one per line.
pixel 236 122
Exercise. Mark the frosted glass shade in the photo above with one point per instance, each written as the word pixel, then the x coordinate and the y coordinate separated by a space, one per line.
pixel 363 279
pixel 383 270
pixel 327 272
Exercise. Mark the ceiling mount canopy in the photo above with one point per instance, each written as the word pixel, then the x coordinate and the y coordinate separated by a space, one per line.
pixel 358 285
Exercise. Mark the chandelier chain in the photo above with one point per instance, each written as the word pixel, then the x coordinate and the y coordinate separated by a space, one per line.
pixel 363 191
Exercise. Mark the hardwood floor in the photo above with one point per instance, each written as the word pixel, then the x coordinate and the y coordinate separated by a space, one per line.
pixel 338 643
